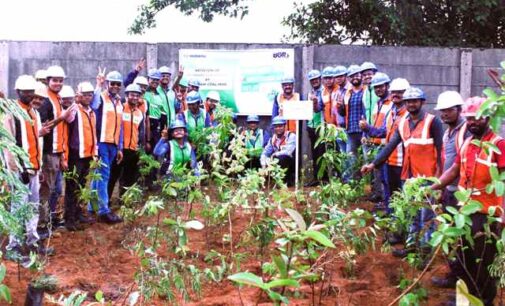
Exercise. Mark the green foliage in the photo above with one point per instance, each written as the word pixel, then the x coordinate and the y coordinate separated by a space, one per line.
pixel 459 23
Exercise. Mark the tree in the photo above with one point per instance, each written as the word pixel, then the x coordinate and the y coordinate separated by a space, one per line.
pixel 207 9
pixel 446 23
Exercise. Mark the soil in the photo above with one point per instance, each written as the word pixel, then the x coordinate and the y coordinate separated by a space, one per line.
pixel 95 259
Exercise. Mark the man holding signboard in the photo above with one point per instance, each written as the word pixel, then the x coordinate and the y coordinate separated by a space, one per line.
pixel 286 96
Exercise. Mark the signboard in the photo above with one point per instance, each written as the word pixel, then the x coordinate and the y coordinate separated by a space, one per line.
pixel 298 110
pixel 247 80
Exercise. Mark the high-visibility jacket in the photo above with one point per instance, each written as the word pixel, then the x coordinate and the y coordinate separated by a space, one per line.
pixel 82 133
pixel 59 132
pixel 458 141
pixel 27 136
pixel 380 111
pixel 155 104
pixel 132 121
pixel 281 100
pixel 279 143
pixel 392 121
pixel 370 100
pixel 193 122
pixel 110 123
pixel 420 153
pixel 179 157
pixel 254 142
pixel 328 95
pixel 478 177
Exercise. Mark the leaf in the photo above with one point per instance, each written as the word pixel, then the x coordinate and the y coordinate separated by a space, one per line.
pixel 452 210
pixel 436 239
pixel 491 94
pixel 281 266
pixel 459 219
pixel 3 270
pixel 461 288
pixel 194 224
pixel 471 208
pixel 133 298
pixel 495 175
pixel 274 296
pixel 247 278
pixel 99 296
pixel 453 232
pixel 5 293
pixel 320 238
pixel 499 188
pixel 282 282
pixel 300 222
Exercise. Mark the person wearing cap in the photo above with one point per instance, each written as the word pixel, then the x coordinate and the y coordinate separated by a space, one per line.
pixel 168 109
pixel 39 96
pixel 213 98
pixel 25 130
pixel 287 95
pixel 352 109
pixel 53 115
pixel 255 140
pixel 109 132
pixel 177 153
pixel 281 147
pixel 421 134
pixel 41 76
pixel 315 80
pixel 83 148
pixel 380 84
pixel 370 99
pixel 195 118
pixel 473 165
pixel 133 129
pixel 449 104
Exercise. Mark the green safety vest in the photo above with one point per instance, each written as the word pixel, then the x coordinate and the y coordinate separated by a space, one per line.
pixel 370 100
pixel 167 104
pixel 179 157
pixel 254 142
pixel 155 104
pixel 194 123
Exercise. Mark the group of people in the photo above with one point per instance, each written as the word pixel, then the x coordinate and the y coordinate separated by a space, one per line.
pixel 66 130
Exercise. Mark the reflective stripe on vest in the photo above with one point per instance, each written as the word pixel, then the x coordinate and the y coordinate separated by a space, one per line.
pixel 111 119
pixel 59 130
pixel 131 122
pixel 420 154
pixel 87 133
pixel 291 124
pixel 378 117
pixel 27 136
pixel 480 176
pixel 392 122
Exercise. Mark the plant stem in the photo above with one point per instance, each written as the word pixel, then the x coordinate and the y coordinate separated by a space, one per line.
pixel 156 232
pixel 231 231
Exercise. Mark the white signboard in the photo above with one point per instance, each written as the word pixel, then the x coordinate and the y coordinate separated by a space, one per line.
pixel 298 110
pixel 247 80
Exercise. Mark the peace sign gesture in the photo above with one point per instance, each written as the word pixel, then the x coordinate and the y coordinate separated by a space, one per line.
pixel 100 77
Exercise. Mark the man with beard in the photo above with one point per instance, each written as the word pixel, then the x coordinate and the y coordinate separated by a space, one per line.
pixel 315 96
pixel 370 99
pixel 109 130
pixel 449 104
pixel 473 166
pixel 421 134
pixel 286 96
pixel 26 134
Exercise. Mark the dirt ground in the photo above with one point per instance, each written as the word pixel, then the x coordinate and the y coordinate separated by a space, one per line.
pixel 94 259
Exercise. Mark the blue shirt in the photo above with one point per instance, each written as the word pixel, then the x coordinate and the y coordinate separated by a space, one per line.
pixel 356 111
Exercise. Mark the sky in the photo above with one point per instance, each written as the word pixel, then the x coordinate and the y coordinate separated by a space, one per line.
pixel 108 20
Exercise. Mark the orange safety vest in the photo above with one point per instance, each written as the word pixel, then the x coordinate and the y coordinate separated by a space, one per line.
pixel 328 103
pixel 111 119
pixel 142 105
pixel 458 142
pixel 378 117
pixel 291 124
pixel 392 122
pixel 59 131
pixel 27 136
pixel 420 154
pixel 87 132
pixel 279 143
pixel 132 118
pixel 480 176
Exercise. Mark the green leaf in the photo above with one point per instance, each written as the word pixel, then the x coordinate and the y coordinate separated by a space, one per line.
pixel 247 278
pixel 461 288
pixel 300 222
pixel 471 208
pixel 274 296
pixel 281 266
pixel 3 270
pixel 499 188
pixel 453 232
pixel 491 94
pixel 320 238
pixel 459 219
pixel 5 293
pixel 282 282
pixel 452 210
pixel 436 239
pixel 495 175
pixel 99 296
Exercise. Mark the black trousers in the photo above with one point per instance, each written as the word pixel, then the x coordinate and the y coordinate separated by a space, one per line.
pixel 477 258
pixel 127 172
pixel 394 178
pixel 287 162
pixel 316 151
pixel 72 187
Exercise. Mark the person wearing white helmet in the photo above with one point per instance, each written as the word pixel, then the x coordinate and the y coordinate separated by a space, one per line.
pixel 39 96
pixel 41 76
pixel 368 70
pixel 450 104
pixel 288 94
pixel 53 115
pixel 109 132
pixel 26 133
pixel 168 98
pixel 213 98
pixel 82 148
pixel 133 126
pixel 315 79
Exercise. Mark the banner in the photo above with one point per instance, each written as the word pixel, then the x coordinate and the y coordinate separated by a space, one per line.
pixel 247 80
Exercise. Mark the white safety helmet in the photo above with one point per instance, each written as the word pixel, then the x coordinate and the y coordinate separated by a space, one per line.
pixel 67 92
pixel 448 99
pixel 55 71
pixel 40 89
pixel 214 95
pixel 399 84
pixel 85 87
pixel 40 74
pixel 25 82
pixel 140 80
